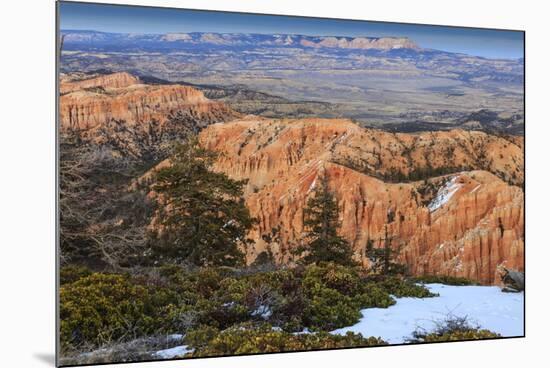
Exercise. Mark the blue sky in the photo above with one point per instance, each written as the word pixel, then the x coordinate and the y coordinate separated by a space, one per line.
pixel 129 19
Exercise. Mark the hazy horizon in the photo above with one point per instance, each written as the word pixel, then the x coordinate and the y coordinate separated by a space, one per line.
pixel 487 43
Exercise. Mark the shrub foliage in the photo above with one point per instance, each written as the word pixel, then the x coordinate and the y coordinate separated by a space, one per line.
pixel 447 280
pixel 99 308
pixel 262 338
pixel 452 328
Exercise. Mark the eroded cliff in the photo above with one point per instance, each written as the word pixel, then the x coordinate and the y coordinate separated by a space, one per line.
pixel 92 103
pixel 451 202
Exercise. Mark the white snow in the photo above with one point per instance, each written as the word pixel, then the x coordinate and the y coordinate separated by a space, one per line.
pixel 174 352
pixel 444 194
pixel 312 186
pixel 485 306
pixel 228 223
pixel 263 311
pixel 175 337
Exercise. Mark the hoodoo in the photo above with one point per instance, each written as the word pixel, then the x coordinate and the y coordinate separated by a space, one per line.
pixel 447 208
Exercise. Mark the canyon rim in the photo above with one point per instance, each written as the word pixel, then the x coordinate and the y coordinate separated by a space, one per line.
pixel 226 192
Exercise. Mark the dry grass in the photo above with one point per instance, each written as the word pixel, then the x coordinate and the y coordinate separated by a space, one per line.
pixel 131 351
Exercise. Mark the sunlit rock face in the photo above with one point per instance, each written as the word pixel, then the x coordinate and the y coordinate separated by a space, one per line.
pixel 451 202
pixel 92 103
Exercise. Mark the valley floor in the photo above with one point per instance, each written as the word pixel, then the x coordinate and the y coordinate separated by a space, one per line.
pixel 485 306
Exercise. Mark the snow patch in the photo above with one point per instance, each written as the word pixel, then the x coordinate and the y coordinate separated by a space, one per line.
pixel 175 337
pixel 312 186
pixel 486 306
pixel 174 352
pixel 444 194
pixel 263 311
pixel 228 223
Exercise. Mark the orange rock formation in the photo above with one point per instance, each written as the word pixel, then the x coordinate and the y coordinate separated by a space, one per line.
pixel 90 103
pixel 464 223
pixel 451 202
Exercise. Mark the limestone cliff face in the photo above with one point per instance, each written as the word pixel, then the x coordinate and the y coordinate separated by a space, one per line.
pixel 92 103
pixel 466 222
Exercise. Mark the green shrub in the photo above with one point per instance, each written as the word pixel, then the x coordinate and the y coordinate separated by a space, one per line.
pixel 252 339
pixel 403 288
pixel 452 328
pixel 199 337
pixel 68 274
pixel 327 309
pixel 471 334
pixel 336 294
pixel 207 281
pixel 373 296
pixel 103 308
pixel 448 280
pixel 214 313
pixel 343 279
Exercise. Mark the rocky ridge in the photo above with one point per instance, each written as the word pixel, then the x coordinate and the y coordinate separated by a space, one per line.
pixel 135 119
pixel 88 104
pixel 72 37
pixel 465 222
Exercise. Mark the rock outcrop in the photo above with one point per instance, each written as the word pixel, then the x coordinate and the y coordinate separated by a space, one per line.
pixel 115 80
pixel 451 202
pixel 134 120
pixel 91 103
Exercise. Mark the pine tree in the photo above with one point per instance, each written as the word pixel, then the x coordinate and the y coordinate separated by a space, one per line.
pixel 204 218
pixel 321 223
pixel 383 259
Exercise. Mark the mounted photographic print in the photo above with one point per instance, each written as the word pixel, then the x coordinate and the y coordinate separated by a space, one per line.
pixel 234 183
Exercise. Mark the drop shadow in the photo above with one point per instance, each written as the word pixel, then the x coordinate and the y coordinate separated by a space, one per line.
pixel 47 358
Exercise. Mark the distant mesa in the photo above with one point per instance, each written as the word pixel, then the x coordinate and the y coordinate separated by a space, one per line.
pixel 380 43
pixel 245 39
pixel 384 43
pixel 171 37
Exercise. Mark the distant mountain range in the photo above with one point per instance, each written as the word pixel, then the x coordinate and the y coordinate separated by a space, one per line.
pixel 77 37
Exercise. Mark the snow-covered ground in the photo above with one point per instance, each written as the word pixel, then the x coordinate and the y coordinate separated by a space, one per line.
pixel 175 352
pixel 486 306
